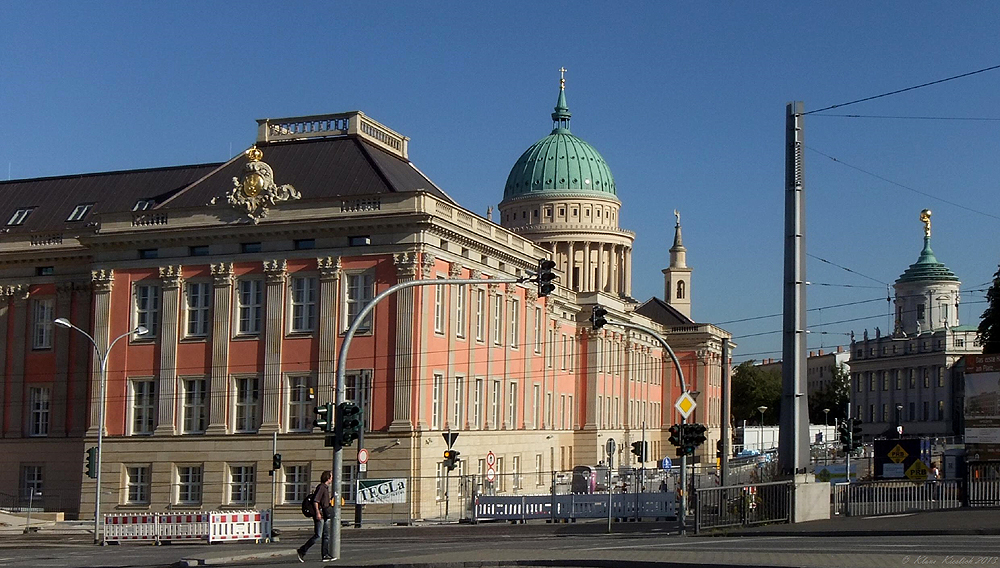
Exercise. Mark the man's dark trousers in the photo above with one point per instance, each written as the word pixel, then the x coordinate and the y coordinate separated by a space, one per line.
pixel 322 531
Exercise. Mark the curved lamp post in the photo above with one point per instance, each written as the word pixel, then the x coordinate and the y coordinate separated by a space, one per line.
pixel 102 356
pixel 762 410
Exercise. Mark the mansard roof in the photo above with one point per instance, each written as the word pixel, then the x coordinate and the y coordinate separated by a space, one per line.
pixel 320 166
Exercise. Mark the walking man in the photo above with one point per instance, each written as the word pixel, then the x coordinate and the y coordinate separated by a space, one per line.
pixel 322 512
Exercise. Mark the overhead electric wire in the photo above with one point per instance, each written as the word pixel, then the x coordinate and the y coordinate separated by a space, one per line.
pixel 906 187
pixel 898 91
pixel 847 269
pixel 962 118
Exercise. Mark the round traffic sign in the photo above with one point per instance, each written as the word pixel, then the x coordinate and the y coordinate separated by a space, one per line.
pixel 491 460
pixel 491 474
pixel 362 455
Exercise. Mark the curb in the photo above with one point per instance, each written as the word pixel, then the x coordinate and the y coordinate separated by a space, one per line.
pixel 854 533
pixel 211 561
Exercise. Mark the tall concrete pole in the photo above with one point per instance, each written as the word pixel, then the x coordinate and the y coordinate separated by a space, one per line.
pixel 793 440
pixel 724 435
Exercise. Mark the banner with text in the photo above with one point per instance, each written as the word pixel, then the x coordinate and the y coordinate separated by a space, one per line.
pixel 378 491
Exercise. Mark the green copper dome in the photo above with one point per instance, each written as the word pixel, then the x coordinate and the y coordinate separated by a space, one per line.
pixel 560 163
pixel 927 268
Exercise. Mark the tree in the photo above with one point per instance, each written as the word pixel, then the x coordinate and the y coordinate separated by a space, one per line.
pixel 835 396
pixel 753 387
pixel 989 326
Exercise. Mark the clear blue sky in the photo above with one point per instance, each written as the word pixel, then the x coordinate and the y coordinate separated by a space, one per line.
pixel 686 102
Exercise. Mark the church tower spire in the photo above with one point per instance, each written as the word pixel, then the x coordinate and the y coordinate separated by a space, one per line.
pixel 677 277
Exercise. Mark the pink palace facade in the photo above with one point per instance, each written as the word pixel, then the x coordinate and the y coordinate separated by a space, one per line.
pixel 247 274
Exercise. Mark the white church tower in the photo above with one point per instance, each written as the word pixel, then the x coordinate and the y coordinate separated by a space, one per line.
pixel 677 277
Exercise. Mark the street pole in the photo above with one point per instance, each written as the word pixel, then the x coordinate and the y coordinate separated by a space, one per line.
pixel 726 411
pixel 103 358
pixel 847 463
pixel 682 505
pixel 274 480
pixel 341 385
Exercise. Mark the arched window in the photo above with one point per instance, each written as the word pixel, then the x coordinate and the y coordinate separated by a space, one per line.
pixel 680 290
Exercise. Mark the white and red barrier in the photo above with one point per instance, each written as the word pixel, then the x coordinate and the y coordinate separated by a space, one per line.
pixel 214 526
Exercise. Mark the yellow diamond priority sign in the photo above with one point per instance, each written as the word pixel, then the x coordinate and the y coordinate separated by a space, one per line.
pixel 898 454
pixel 685 404
pixel 917 471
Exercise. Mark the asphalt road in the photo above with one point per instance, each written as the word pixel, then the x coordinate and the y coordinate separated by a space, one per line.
pixel 490 547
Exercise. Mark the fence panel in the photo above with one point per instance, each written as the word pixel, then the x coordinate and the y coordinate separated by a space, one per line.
pixel 746 505
pixel 984 485
pixel 887 497
pixel 574 506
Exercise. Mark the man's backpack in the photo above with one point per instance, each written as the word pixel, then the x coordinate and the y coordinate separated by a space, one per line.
pixel 307 506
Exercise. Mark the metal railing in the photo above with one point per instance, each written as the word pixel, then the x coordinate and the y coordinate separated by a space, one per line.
pixel 743 505
pixel 888 497
pixel 984 485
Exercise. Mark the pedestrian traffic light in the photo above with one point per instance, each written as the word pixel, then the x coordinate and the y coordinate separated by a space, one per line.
pixel 856 443
pixel 677 435
pixel 718 448
pixel 545 276
pixel 845 436
pixel 275 462
pixel 641 450
pixel 694 436
pixel 597 318
pixel 348 423
pixel 451 459
pixel 92 463
pixel 324 414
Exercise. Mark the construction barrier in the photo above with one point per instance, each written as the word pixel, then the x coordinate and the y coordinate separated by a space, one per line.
pixel 213 526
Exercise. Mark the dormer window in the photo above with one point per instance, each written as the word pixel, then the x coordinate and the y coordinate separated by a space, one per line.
pixel 19 216
pixel 143 204
pixel 80 212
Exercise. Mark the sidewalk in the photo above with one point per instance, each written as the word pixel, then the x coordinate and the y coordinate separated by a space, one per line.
pixel 953 522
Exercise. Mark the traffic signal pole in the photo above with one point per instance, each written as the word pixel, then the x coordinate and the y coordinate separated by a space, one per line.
pixel 682 505
pixel 341 386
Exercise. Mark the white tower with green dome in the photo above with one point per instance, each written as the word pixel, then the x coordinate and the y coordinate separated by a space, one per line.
pixel 561 194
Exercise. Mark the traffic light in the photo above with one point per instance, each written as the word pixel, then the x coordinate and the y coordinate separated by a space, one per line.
pixel 92 463
pixel 694 436
pixel 641 451
pixel 677 435
pixel 324 414
pixel 845 436
pixel 451 459
pixel 597 318
pixel 545 277
pixel 856 435
pixel 276 462
pixel 718 448
pixel 348 423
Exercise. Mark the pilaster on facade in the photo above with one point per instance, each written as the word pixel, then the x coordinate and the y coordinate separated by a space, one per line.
pixel 5 379
pixel 424 380
pixel 590 338
pixel 222 293
pixel 60 343
pixel 407 265
pixel 103 281
pixel 276 275
pixel 167 386
pixel 82 353
pixel 330 271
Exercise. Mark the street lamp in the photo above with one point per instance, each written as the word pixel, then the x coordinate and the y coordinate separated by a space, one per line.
pixel 102 356
pixel 899 420
pixel 762 410
pixel 826 416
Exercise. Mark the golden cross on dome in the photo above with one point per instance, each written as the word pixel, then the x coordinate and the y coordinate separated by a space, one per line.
pixel 562 78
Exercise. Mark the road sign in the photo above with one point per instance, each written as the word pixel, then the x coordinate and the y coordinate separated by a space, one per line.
pixel 362 467
pixel 449 438
pixel 362 456
pixel 609 447
pixel 898 454
pixel 666 463
pixel 685 404
pixel 491 460
pixel 491 474
pixel 917 471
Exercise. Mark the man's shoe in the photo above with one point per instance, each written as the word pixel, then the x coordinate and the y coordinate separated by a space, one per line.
pixel 328 559
pixel 298 553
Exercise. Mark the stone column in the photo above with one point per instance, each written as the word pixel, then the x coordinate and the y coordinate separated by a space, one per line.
pixel 571 279
pixel 60 344
pixel 167 385
pixel 402 402
pixel 222 296
pixel 102 282
pixel 628 271
pixel 588 275
pixel 5 294
pixel 274 331
pixel 329 328
pixel 83 351
pixel 601 267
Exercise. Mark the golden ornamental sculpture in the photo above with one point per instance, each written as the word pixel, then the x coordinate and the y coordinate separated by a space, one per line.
pixel 925 218
pixel 255 190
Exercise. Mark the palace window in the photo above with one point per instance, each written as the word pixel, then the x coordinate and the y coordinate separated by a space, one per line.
pixel 303 304
pixel 249 306
pixel 38 407
pixel 138 482
pixel 199 301
pixel 189 479
pixel 299 411
pixel 247 405
pixel 41 324
pixel 242 484
pixel 296 483
pixel 359 293
pixel 147 308
pixel 195 411
pixel 143 406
